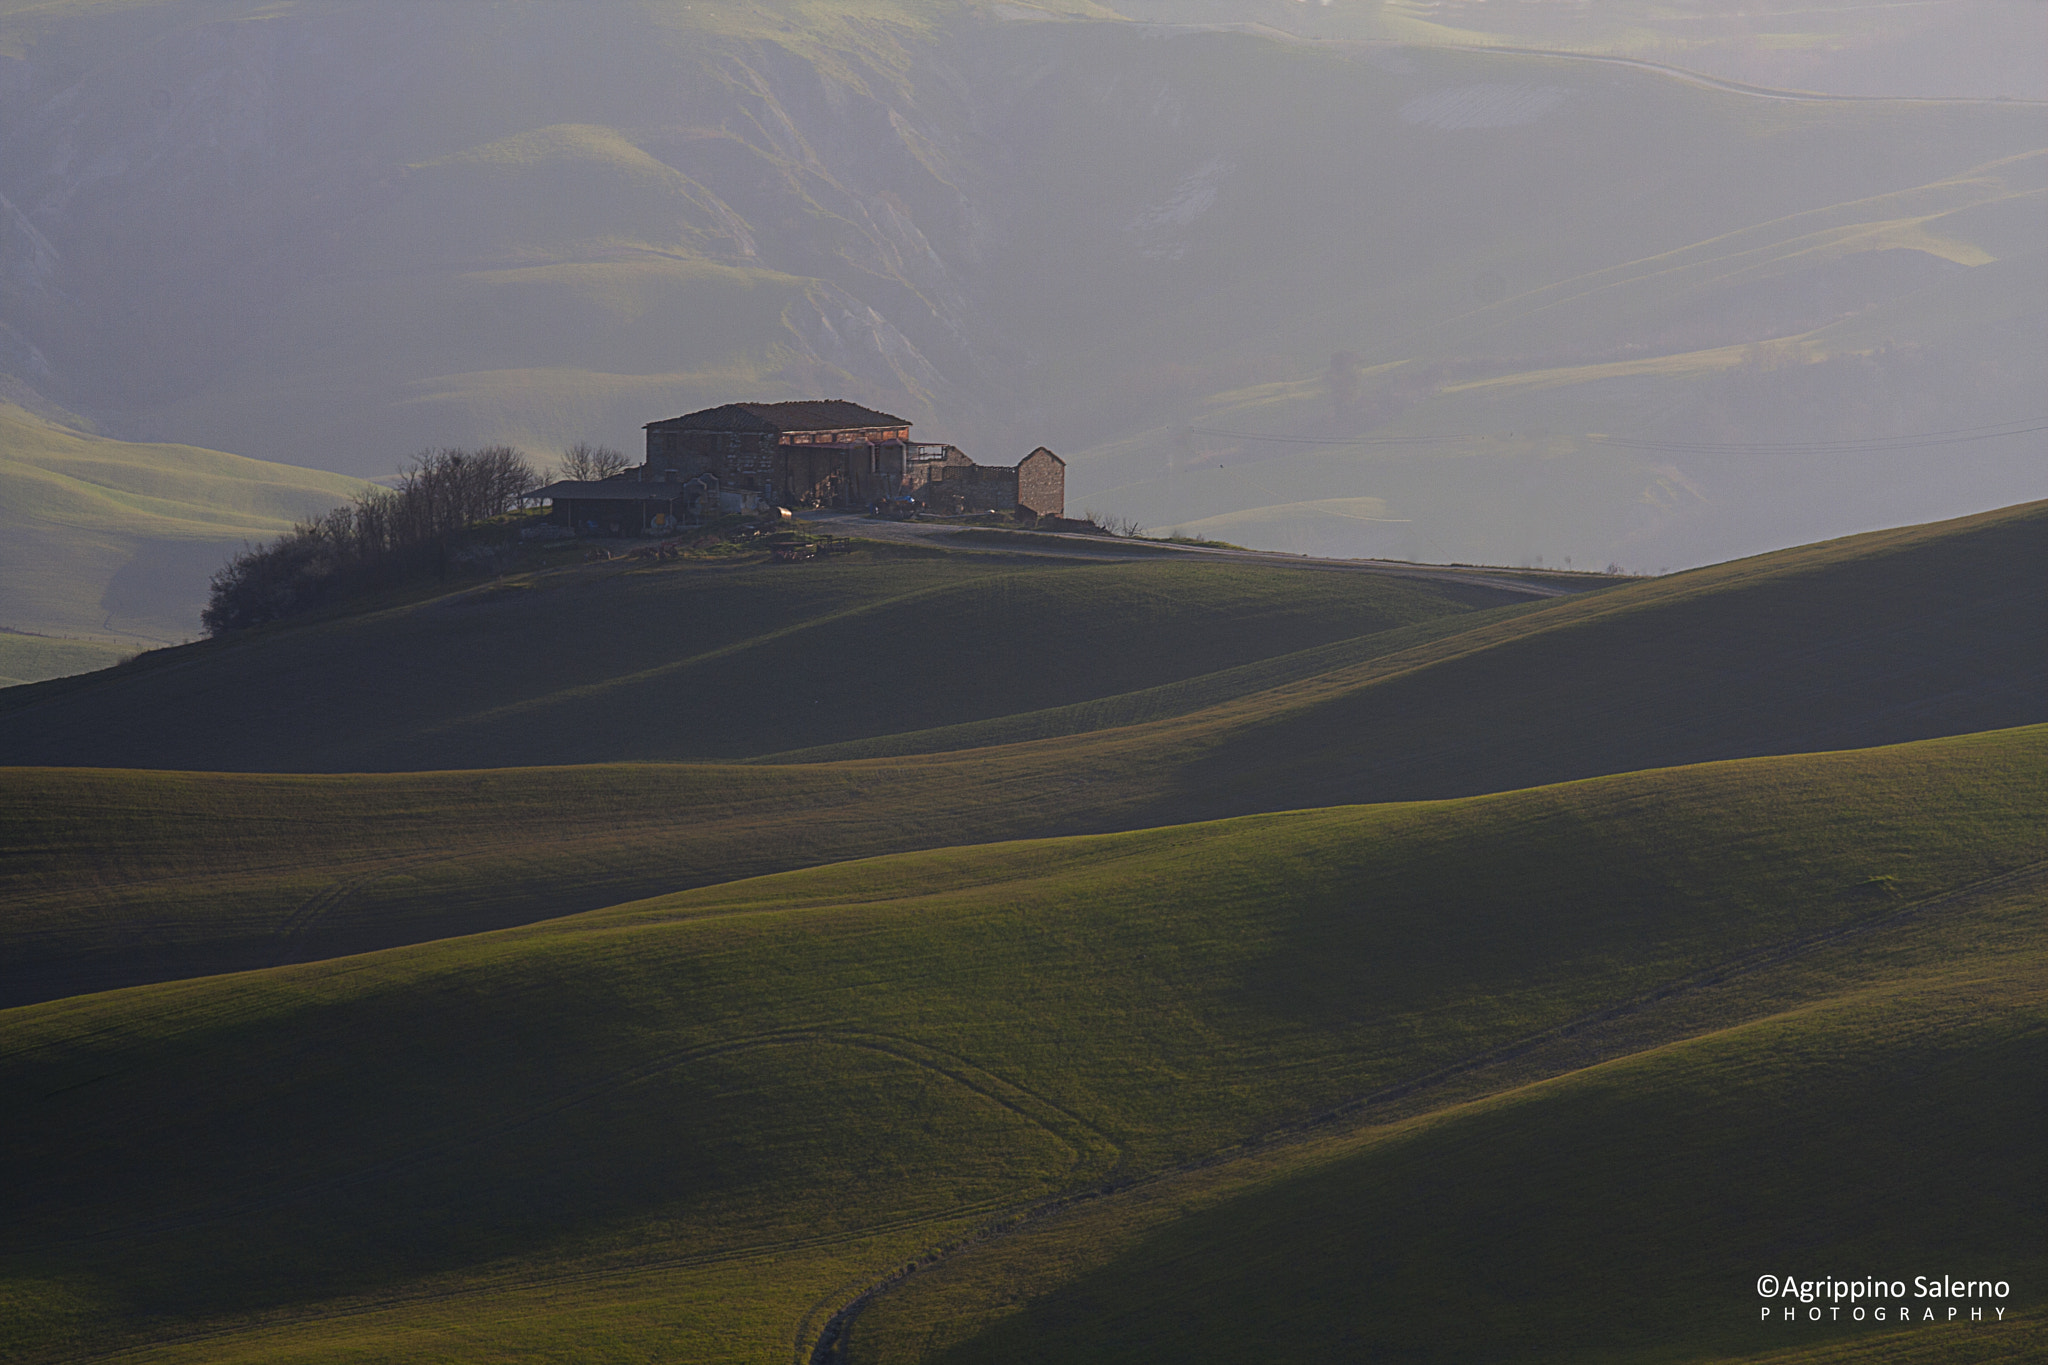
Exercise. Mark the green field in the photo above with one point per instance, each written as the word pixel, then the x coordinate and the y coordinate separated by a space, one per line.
pixel 1888 636
pixel 999 963
pixel 595 663
pixel 1003 947
pixel 32 658
pixel 645 1091
pixel 1872 640
pixel 1515 1227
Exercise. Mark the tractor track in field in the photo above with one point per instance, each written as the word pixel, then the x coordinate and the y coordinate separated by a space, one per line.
pixel 1092 1149
pixel 829 1345
pixel 1002 1215
pixel 1087 1141
pixel 312 911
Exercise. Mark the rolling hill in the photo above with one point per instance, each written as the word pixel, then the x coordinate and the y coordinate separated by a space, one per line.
pixel 1474 1233
pixel 1065 1010
pixel 1918 632
pixel 1870 639
pixel 720 660
pixel 705 1120
pixel 106 546
pixel 989 946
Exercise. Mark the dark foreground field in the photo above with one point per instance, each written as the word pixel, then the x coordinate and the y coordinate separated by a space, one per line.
pixel 1015 960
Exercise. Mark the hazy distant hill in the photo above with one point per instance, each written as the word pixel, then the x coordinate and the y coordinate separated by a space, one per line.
pixel 1979 49
pixel 1343 289
pixel 106 546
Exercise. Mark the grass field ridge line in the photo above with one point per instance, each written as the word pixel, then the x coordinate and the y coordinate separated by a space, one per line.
pixel 1072 718
pixel 830 1345
pixel 443 733
pixel 1579 611
pixel 363 1306
pixel 586 691
pixel 167 662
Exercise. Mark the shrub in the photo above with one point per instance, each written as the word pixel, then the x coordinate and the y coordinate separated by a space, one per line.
pixel 382 537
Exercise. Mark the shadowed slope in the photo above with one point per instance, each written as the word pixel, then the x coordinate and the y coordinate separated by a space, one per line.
pixel 1621 1213
pixel 599 663
pixel 1874 638
pixel 116 877
pixel 746 1095
pixel 1870 639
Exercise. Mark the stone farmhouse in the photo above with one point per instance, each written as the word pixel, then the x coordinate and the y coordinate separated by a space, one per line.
pixel 744 457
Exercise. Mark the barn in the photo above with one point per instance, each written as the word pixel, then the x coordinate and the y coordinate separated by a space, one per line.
pixel 816 453
pixel 813 453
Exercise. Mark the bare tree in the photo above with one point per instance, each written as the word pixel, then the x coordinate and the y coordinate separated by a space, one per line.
pixel 586 461
pixel 380 537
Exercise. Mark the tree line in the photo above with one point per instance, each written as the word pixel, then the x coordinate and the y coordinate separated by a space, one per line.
pixel 383 536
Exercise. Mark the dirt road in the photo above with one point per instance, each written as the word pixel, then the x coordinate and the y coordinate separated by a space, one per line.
pixel 1106 549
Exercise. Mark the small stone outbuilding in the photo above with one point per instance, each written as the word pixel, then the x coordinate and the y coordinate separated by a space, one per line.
pixel 947 481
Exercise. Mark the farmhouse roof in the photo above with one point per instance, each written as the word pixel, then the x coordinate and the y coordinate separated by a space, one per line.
pixel 827 414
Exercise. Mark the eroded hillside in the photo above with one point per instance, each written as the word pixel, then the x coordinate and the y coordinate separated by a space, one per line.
pixel 1388 297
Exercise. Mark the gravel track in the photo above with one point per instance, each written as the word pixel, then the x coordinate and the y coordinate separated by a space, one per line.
pixel 1111 550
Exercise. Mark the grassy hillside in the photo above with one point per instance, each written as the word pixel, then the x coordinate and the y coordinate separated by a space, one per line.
pixel 1830 645
pixel 704 1119
pixel 116 877
pixel 107 545
pixel 958 954
pixel 700 661
pixel 1666 1179
pixel 1887 636
pixel 1865 640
